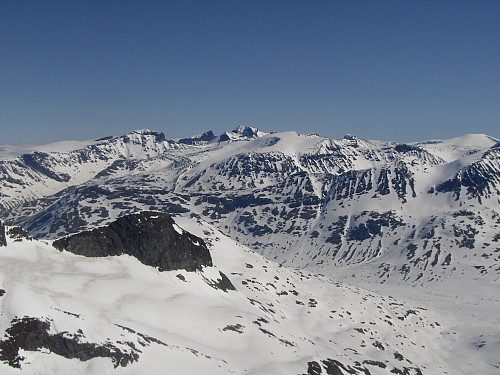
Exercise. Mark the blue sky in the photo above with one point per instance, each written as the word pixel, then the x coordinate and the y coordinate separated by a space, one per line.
pixel 390 70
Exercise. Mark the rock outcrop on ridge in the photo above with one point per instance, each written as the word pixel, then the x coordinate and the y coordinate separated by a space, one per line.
pixel 151 237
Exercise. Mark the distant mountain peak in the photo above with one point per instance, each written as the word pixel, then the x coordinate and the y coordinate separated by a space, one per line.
pixel 241 132
pixel 350 136
pixel 159 136
pixel 245 130
pixel 198 139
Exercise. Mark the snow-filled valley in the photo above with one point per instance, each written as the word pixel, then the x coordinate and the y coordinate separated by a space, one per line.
pixel 327 256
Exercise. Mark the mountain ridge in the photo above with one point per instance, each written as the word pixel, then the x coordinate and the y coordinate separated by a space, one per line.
pixel 303 200
pixel 342 224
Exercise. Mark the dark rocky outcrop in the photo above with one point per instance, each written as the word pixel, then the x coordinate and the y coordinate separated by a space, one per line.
pixel 334 367
pixel 40 162
pixel 223 283
pixel 159 137
pixel 244 131
pixel 17 234
pixel 32 334
pixel 148 236
pixel 314 368
pixel 406 148
pixel 200 139
pixel 481 179
pixel 3 239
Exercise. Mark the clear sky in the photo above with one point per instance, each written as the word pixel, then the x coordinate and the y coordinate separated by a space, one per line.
pixel 389 70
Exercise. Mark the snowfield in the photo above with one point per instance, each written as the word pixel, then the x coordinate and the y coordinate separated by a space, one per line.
pixel 276 321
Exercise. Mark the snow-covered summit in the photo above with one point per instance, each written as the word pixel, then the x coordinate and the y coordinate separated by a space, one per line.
pixel 455 148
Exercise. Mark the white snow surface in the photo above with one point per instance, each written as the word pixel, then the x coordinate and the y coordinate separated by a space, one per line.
pixel 276 322
pixel 455 148
pixel 9 152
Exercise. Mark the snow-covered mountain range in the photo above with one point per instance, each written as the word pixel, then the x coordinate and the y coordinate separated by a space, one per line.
pixel 419 222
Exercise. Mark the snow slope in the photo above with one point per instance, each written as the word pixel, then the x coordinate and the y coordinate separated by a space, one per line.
pixel 279 321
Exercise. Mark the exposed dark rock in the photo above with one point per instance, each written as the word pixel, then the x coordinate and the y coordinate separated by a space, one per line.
pixel 148 236
pixel 399 356
pixel 223 283
pixel 334 367
pixel 350 184
pixel 410 250
pixel 314 234
pixel 402 178
pixel 260 230
pixel 375 363
pixel 467 236
pixel 224 137
pixel 244 131
pixel 17 234
pixel 337 228
pixel 378 345
pixel 447 260
pixel 159 137
pixel 406 148
pixel 236 328
pixel 383 182
pixel 107 138
pixel 251 165
pixel 202 138
pixel 481 178
pixel 359 233
pixel 148 339
pixel 38 161
pixel 3 239
pixel 313 368
pixel 267 332
pixel 227 204
pixel 32 334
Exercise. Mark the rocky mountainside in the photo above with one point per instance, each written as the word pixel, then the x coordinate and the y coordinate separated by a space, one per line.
pixel 414 212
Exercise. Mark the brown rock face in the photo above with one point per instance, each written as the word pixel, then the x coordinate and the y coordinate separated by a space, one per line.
pixel 147 236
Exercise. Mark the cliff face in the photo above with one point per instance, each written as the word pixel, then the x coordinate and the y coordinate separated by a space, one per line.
pixel 151 237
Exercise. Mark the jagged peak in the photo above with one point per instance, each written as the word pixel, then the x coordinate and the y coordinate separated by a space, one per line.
pixel 159 136
pixel 245 130
pixel 241 132
pixel 350 136
pixel 198 139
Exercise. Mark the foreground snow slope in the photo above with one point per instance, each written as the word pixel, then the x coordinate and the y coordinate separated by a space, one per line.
pixel 278 321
